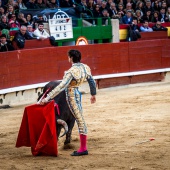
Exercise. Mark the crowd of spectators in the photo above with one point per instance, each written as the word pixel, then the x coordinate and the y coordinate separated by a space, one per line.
pixel 144 11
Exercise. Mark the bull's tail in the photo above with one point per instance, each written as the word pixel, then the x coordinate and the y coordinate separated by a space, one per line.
pixel 42 96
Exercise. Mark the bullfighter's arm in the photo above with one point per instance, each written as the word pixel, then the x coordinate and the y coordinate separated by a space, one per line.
pixel 92 85
pixel 65 82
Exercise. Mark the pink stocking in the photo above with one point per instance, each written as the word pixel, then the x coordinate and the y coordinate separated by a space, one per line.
pixel 83 141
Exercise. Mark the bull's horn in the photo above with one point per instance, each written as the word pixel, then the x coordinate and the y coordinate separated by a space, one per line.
pixel 64 124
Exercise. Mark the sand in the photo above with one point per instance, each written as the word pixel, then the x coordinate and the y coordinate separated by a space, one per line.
pixel 118 126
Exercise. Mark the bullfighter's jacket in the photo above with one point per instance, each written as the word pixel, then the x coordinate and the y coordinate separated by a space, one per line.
pixel 72 79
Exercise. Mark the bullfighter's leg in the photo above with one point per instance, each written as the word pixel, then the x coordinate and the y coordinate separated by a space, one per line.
pixel 73 97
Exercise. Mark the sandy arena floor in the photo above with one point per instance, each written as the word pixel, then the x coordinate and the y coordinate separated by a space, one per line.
pixel 120 119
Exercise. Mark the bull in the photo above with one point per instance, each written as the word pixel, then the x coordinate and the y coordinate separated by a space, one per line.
pixel 65 118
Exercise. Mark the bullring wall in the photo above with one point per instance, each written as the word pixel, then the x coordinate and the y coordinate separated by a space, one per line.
pixel 30 66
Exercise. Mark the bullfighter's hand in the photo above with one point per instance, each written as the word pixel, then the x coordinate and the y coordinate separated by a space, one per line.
pixel 43 102
pixel 93 99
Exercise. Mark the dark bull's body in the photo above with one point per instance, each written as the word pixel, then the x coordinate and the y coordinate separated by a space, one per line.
pixel 65 113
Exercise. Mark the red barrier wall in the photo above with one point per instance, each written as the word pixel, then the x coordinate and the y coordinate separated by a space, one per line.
pixel 30 66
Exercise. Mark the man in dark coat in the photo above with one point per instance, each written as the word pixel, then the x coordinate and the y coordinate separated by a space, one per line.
pixel 4 44
pixel 159 27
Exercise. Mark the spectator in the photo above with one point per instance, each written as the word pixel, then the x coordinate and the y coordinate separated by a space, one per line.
pixel 31 4
pixel 13 23
pixel 121 9
pixel 10 11
pixel 127 19
pixel 90 6
pixel 21 36
pixel 162 15
pixel 138 16
pixel 105 16
pixel 113 13
pixel 40 32
pixel 168 14
pixel 133 31
pixel 22 20
pixel 23 33
pixel 155 17
pixel 21 5
pixel 164 5
pixel 4 44
pixel 156 5
pixel 147 16
pixel 145 27
pixel 4 23
pixel 30 31
pixel 96 12
pixel 159 27
pixel 99 2
pixel 139 6
pixel 52 4
pixel 129 8
pixel 148 7
pixel 81 8
pixel 29 19
pixel 108 3
pixel 103 6
pixel 40 4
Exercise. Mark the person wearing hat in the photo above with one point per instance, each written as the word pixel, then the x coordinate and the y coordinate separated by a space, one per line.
pixel 4 44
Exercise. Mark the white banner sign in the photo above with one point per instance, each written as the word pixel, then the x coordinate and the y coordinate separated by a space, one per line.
pixel 61 28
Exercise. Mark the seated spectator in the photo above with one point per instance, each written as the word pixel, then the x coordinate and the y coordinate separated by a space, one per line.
pixel 40 4
pixel 159 27
pixel 40 32
pixel 29 19
pixel 113 10
pixel 148 7
pixel 21 36
pixel 31 4
pixel 105 16
pixel 23 33
pixel 140 7
pixel 37 20
pixel 138 16
pixel 10 11
pixel 13 23
pixel 129 8
pixel 31 31
pixel 120 9
pixel 156 5
pixel 20 4
pixel 147 16
pixel 103 6
pixel 96 12
pixel 4 23
pixel 155 17
pixel 52 4
pixel 90 7
pixel 4 44
pixel 145 27
pixel 162 15
pixel 21 19
pixel 133 31
pixel 127 19
pixel 168 14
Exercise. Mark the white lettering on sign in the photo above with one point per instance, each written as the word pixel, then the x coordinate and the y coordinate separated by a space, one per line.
pixel 61 28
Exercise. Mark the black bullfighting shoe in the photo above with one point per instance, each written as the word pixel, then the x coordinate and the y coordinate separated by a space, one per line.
pixel 75 153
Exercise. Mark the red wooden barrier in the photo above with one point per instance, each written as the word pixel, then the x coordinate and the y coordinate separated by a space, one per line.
pixel 30 66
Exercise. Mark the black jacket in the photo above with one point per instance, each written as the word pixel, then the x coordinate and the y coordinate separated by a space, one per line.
pixel 6 47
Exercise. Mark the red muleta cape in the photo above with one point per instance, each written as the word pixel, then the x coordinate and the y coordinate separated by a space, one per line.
pixel 38 130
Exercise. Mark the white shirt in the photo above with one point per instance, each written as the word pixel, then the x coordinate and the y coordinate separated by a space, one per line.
pixel 39 33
